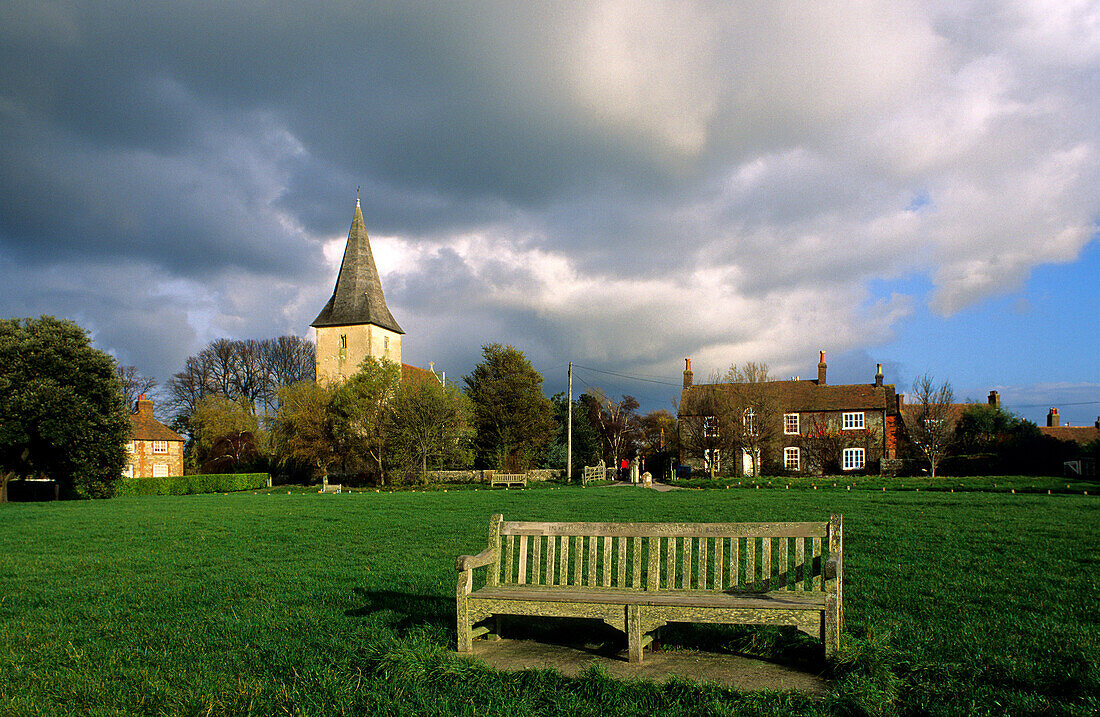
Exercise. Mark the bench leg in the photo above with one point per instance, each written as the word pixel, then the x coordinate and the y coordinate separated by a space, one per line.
pixel 465 634
pixel 831 626
pixel 634 632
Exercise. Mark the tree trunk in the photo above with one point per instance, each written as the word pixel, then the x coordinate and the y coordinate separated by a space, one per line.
pixel 4 486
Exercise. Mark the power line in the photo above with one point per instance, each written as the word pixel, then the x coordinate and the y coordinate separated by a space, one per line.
pixel 626 375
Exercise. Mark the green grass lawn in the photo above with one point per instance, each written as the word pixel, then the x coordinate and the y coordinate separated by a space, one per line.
pixel 956 603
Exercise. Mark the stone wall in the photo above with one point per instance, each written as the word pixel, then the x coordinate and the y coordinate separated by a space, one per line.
pixel 539 474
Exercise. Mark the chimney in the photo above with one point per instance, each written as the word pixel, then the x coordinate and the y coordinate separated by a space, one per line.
pixel 1098 421
pixel 994 399
pixel 687 373
pixel 821 370
pixel 878 375
pixel 144 406
pixel 1053 420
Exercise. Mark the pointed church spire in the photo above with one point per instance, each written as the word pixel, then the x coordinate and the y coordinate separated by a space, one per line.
pixel 357 298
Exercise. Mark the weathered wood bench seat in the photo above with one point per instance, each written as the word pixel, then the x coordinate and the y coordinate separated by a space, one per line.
pixel 508 480
pixel 637 577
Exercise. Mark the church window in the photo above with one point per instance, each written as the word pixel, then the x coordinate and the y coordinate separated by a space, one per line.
pixel 343 345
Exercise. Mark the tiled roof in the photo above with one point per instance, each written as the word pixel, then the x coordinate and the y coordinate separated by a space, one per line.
pixel 146 428
pixel 807 396
pixel 909 411
pixel 357 298
pixel 1078 434
pixel 411 374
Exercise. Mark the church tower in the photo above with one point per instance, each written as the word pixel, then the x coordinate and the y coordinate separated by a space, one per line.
pixel 355 322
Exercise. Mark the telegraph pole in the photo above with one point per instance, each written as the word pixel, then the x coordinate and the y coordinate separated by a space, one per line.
pixel 569 430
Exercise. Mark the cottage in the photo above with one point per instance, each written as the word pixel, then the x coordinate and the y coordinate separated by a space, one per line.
pixel 795 426
pixel 154 450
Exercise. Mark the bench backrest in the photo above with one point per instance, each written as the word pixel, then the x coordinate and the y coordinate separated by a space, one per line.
pixel 751 557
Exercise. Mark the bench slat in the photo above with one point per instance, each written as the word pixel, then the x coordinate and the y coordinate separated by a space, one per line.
pixel 591 572
pixel 799 564
pixel 735 561
pixel 784 565
pixel 685 578
pixel 750 563
pixel 766 570
pixel 522 578
pixel 670 574
pixel 681 530
pixel 636 563
pixel 606 561
pixel 719 565
pixel 816 566
pixel 536 560
pixel 551 542
pixel 508 554
pixel 707 598
pixel 701 570
pixel 622 563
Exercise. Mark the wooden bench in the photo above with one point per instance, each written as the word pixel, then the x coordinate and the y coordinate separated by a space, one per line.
pixel 331 488
pixel 508 480
pixel 637 577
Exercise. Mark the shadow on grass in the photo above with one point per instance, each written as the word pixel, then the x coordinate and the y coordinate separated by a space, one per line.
pixel 783 646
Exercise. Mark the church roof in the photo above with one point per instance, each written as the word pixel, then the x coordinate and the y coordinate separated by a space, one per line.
pixel 357 298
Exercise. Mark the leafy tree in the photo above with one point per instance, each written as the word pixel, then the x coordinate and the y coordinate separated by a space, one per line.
pixel 615 422
pixel 429 421
pixel 586 444
pixel 61 409
pixel 227 434
pixel 304 427
pixel 823 442
pixel 930 422
pixel 512 417
pixel 360 407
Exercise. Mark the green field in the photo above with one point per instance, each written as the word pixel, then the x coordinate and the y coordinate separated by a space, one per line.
pixel 275 603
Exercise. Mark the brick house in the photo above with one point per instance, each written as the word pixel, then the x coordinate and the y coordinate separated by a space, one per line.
pixel 154 449
pixel 811 425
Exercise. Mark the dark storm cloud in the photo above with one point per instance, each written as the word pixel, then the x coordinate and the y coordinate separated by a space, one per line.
pixel 648 178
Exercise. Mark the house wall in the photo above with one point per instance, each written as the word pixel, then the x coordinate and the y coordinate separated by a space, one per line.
pixel 337 362
pixel 142 459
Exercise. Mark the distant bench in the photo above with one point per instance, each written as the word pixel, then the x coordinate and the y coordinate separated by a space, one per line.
pixel 508 480
pixel 331 488
pixel 637 577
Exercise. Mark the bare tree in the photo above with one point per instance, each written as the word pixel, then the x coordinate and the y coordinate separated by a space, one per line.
pixel 706 427
pixel 616 422
pixel 752 413
pixel 134 385
pixel 240 369
pixel 930 420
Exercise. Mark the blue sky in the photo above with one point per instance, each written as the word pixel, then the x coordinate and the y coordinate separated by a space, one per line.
pixel 610 182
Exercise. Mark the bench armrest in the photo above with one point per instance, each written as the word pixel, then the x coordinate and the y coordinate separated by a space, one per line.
pixel 469 562
pixel 832 567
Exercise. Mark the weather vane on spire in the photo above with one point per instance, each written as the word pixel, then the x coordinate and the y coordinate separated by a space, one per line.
pixel 357 194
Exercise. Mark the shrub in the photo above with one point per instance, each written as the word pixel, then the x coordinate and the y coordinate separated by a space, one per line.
pixel 189 485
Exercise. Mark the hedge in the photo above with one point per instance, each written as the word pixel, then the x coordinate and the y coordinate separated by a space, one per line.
pixel 186 485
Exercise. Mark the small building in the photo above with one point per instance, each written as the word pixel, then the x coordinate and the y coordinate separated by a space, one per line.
pixel 154 450
pixel 814 425
pixel 1079 464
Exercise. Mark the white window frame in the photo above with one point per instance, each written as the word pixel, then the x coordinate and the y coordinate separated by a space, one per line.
pixel 128 470
pixel 160 470
pixel 130 447
pixel 853 421
pixel 854 459
pixel 748 418
pixel 789 453
pixel 791 425
pixel 710 427
pixel 160 446
pixel 717 453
